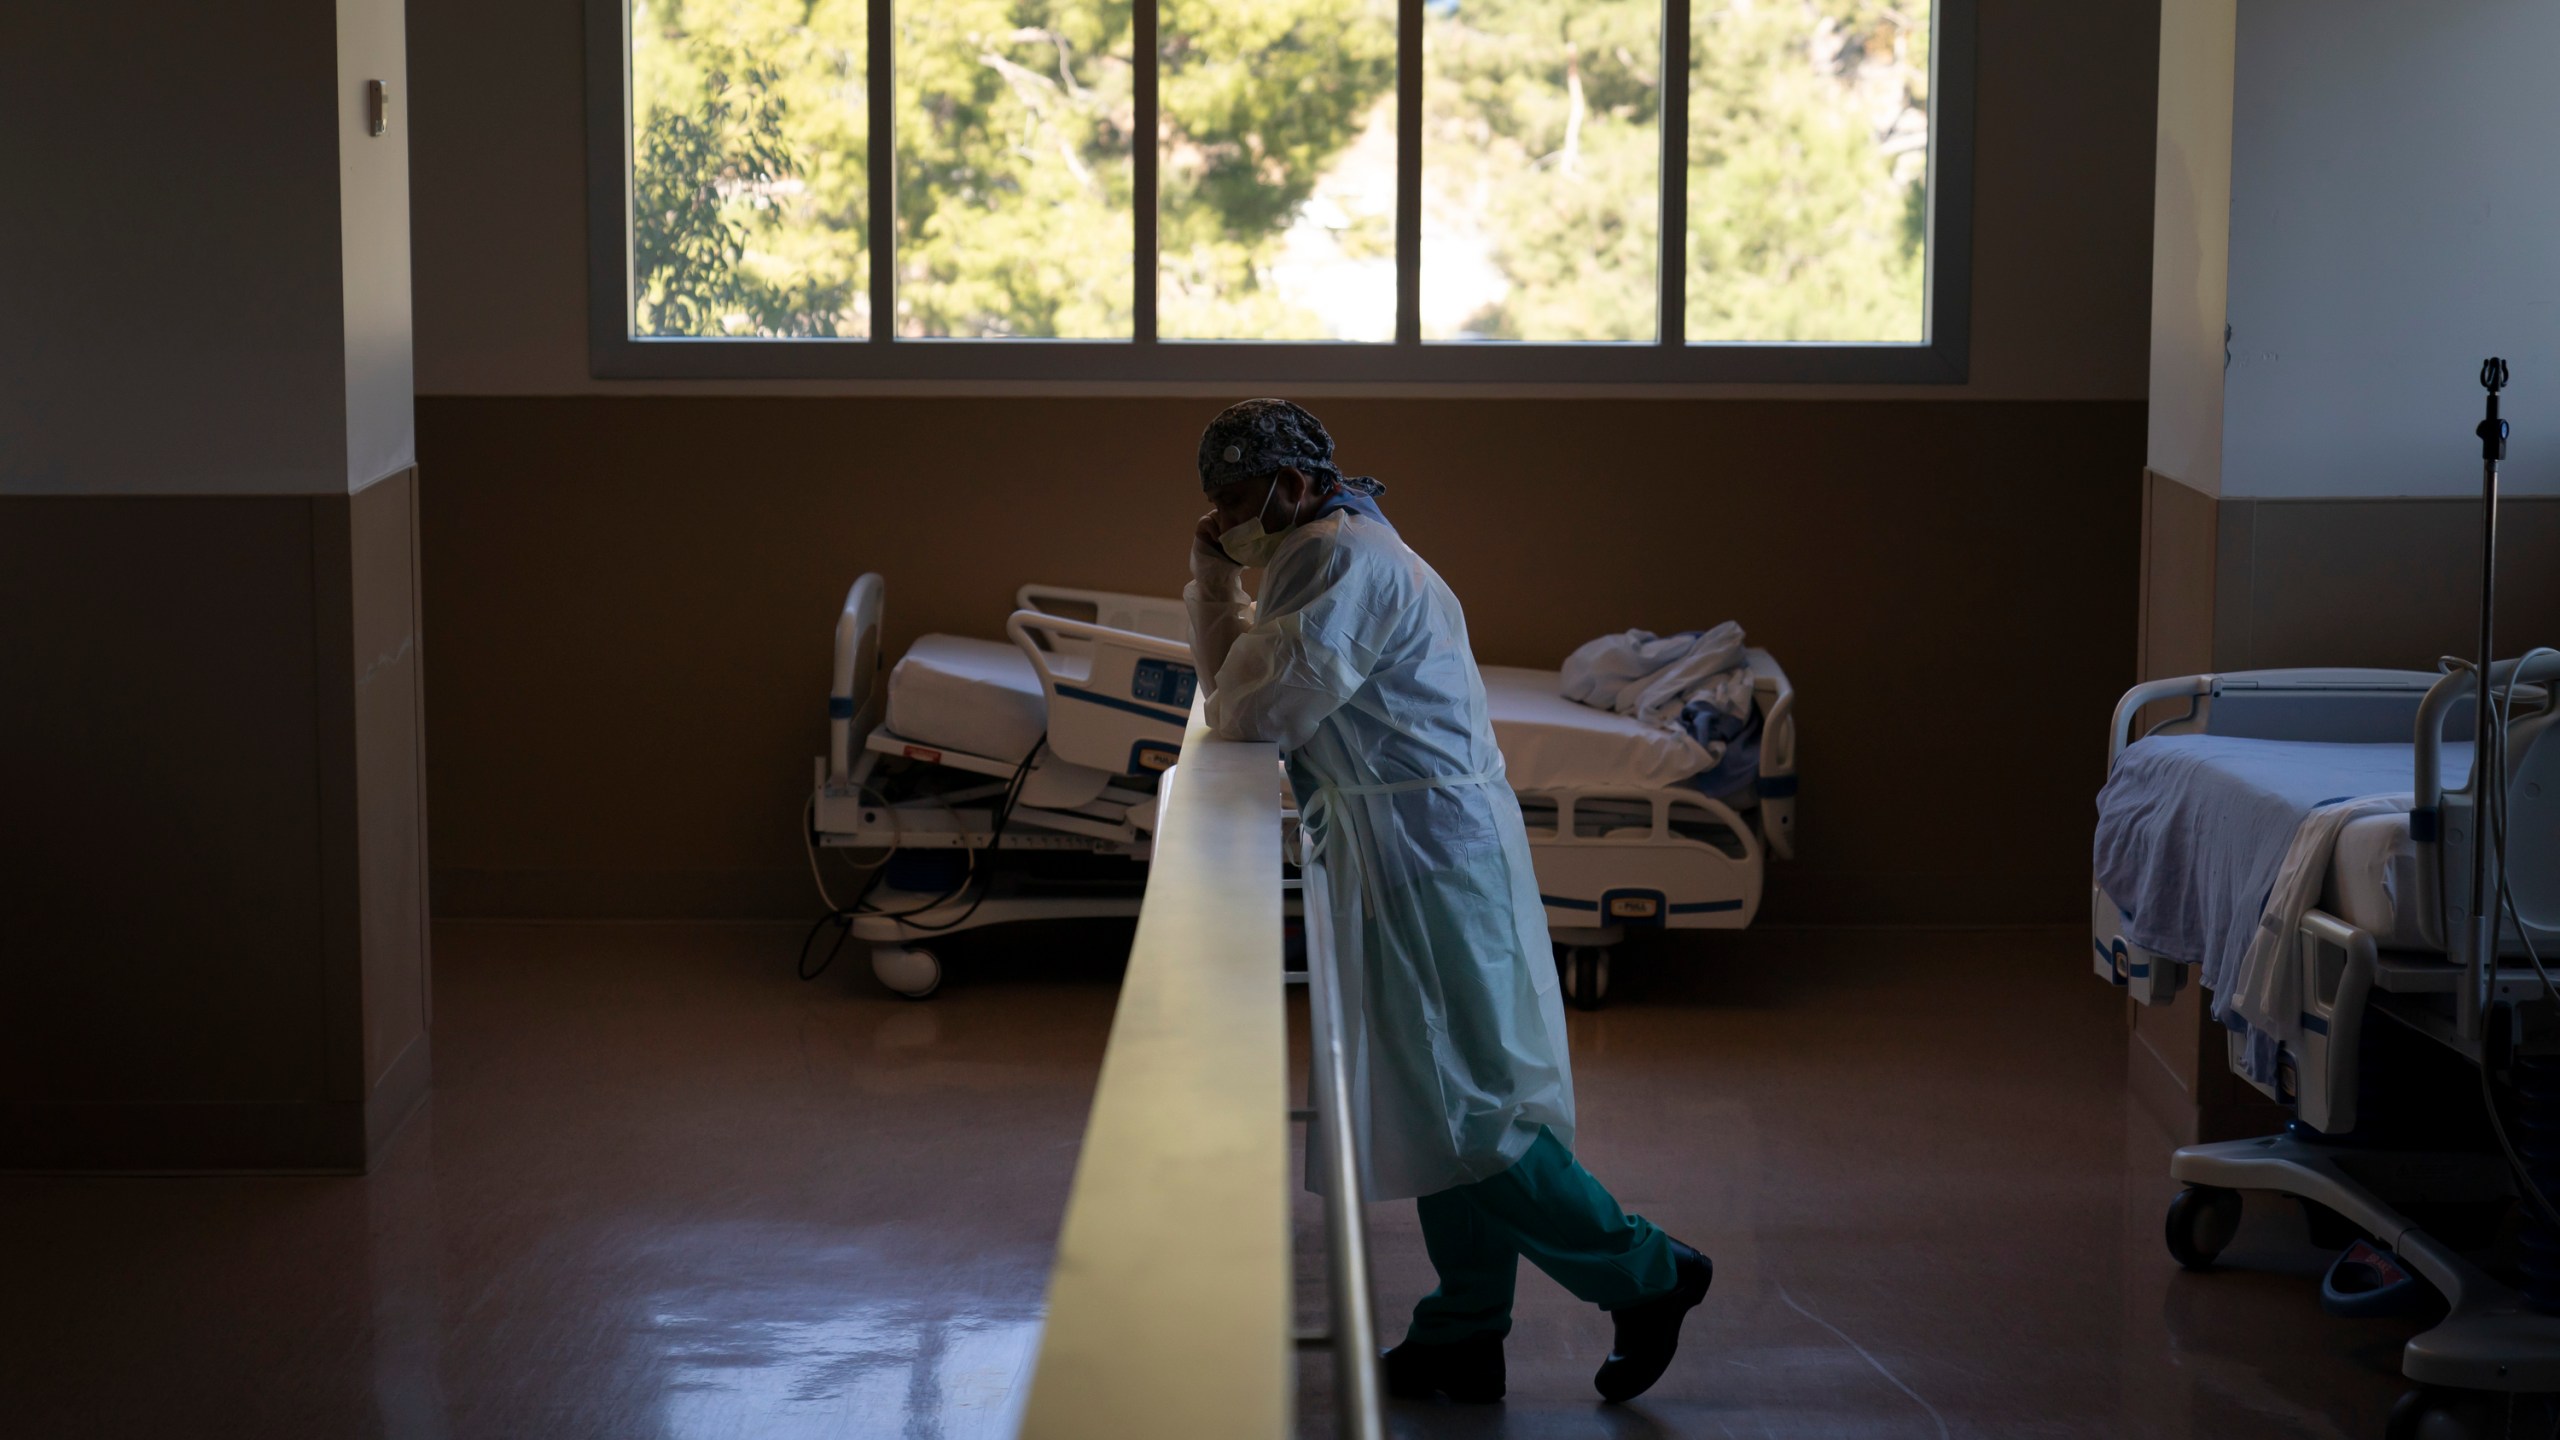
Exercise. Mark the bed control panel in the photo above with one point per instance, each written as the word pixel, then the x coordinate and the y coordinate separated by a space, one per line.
pixel 1162 682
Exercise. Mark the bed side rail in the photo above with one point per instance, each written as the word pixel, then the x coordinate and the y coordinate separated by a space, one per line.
pixel 1775 694
pixel 856 700
pixel 1661 806
pixel 2440 820
pixel 2304 704
pixel 1166 619
pixel 1120 706
pixel 2190 688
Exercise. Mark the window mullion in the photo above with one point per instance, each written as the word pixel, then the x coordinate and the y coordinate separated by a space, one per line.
pixel 1672 283
pixel 882 81
pixel 1143 149
pixel 1409 172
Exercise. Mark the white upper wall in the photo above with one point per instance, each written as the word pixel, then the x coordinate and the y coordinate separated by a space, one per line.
pixel 181 304
pixel 2190 230
pixel 2062 196
pixel 2395 217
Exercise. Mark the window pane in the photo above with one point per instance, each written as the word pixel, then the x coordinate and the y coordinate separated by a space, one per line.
pixel 1014 211
pixel 748 177
pixel 1540 162
pixel 1277 217
pixel 1808 170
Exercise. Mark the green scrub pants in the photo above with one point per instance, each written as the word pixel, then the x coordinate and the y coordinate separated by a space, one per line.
pixel 1548 1208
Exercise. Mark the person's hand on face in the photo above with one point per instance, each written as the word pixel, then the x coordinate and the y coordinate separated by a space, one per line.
pixel 1204 536
pixel 1218 572
pixel 1250 502
pixel 1220 577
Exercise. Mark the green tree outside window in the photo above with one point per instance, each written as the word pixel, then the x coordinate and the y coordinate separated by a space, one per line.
pixel 1806 160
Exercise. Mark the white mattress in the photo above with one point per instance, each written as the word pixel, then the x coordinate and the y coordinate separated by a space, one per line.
pixel 1549 742
pixel 2373 881
pixel 981 696
pixel 984 697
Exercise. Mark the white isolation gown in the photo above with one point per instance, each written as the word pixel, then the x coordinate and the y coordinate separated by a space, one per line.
pixel 1418 878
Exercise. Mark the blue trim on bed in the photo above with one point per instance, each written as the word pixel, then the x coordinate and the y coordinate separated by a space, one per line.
pixel 1694 907
pixel 2313 1024
pixel 2422 825
pixel 839 707
pixel 1777 787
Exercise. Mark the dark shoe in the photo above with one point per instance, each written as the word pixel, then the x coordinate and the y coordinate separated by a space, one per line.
pixel 1468 1371
pixel 1649 1330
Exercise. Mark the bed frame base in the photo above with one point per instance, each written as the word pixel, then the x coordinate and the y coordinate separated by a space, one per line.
pixel 2488 1340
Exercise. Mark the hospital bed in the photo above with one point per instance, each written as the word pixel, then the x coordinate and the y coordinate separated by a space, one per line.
pixel 1621 838
pixel 2390 990
pixel 997 781
pixel 1016 780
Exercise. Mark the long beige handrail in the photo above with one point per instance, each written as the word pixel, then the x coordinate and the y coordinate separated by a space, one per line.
pixel 1170 1308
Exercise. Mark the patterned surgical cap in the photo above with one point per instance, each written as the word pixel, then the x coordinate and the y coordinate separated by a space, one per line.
pixel 1252 438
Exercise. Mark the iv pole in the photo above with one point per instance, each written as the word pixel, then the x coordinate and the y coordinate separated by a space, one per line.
pixel 2484 770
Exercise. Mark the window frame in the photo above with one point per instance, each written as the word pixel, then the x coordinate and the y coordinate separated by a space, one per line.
pixel 1942 358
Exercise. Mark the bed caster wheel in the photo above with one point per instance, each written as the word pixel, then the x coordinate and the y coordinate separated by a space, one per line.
pixel 1586 976
pixel 911 972
pixel 2202 1221
pixel 2427 1413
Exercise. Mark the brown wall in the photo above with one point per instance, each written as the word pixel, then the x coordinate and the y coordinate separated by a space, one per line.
pixel 2177 578
pixel 215 951
pixel 631 603
pixel 2378 582
pixel 2248 584
pixel 631 586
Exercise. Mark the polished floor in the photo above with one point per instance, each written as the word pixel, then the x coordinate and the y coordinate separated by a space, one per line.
pixel 664 1190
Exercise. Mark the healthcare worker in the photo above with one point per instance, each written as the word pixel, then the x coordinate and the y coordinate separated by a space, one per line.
pixel 1355 662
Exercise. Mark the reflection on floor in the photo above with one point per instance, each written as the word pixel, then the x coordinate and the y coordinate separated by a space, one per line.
pixel 1932 1211
pixel 665 1190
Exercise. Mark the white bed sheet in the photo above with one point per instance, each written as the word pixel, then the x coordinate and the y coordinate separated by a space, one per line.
pixel 1550 743
pixel 980 696
pixel 2373 881
pixel 2193 828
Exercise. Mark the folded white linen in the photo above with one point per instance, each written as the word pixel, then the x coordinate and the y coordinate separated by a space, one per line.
pixel 2266 992
pixel 1653 677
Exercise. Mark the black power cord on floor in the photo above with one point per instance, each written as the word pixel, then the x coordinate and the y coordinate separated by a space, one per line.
pixel 861 908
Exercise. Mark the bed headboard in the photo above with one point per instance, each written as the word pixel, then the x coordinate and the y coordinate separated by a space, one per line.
pixel 857 698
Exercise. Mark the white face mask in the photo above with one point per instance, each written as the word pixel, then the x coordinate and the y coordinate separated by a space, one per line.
pixel 1249 544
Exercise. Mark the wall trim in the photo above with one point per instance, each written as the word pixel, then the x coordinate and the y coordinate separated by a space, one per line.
pixel 394 473
pixel 397 1097
pixel 2205 491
